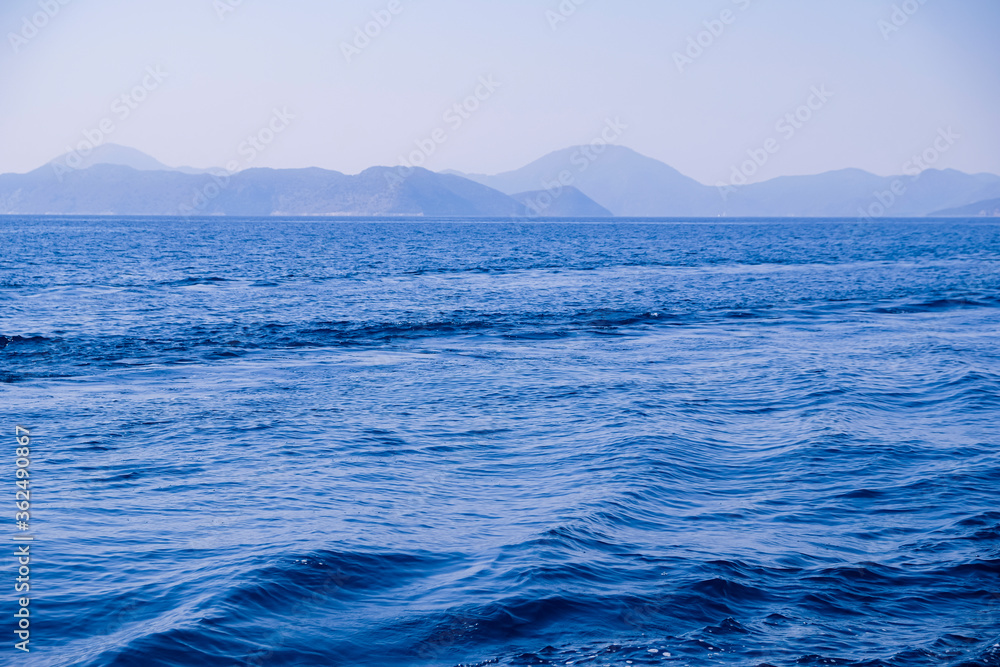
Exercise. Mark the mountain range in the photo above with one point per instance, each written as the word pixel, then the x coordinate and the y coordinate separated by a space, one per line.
pixel 577 182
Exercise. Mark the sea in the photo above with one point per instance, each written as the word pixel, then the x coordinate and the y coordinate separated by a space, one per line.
pixel 442 443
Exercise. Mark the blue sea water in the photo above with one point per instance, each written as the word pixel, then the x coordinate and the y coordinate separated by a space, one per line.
pixel 440 443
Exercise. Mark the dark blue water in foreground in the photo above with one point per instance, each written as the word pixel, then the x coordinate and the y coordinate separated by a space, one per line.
pixel 273 442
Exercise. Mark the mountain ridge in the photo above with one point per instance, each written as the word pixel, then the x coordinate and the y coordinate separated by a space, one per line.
pixel 630 184
pixel 579 181
pixel 989 208
pixel 122 190
pixel 111 153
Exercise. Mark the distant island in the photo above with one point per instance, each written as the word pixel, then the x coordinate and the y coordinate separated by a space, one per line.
pixel 577 182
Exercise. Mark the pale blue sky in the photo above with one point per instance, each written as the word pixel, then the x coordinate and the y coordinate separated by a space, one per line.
pixel 609 59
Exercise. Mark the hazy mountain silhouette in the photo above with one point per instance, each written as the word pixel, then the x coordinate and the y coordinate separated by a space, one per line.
pixel 574 182
pixel 632 185
pixel 119 155
pixel 988 208
pixel 568 203
pixel 121 190
pixel 619 179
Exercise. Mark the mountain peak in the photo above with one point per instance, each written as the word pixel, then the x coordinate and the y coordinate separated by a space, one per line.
pixel 116 154
pixel 612 176
pixel 111 154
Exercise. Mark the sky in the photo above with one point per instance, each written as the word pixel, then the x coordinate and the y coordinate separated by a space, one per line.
pixel 803 86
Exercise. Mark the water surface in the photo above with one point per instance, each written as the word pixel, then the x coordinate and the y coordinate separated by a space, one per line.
pixel 432 443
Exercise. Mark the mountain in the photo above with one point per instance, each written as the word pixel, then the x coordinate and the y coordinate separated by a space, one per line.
pixel 632 185
pixel 375 191
pixel 618 178
pixel 119 155
pixel 979 209
pixel 568 202
pixel 832 194
pixel 121 190
pixel 582 182
pixel 857 193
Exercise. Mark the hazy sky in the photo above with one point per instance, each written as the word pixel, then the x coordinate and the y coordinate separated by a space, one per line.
pixel 557 71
